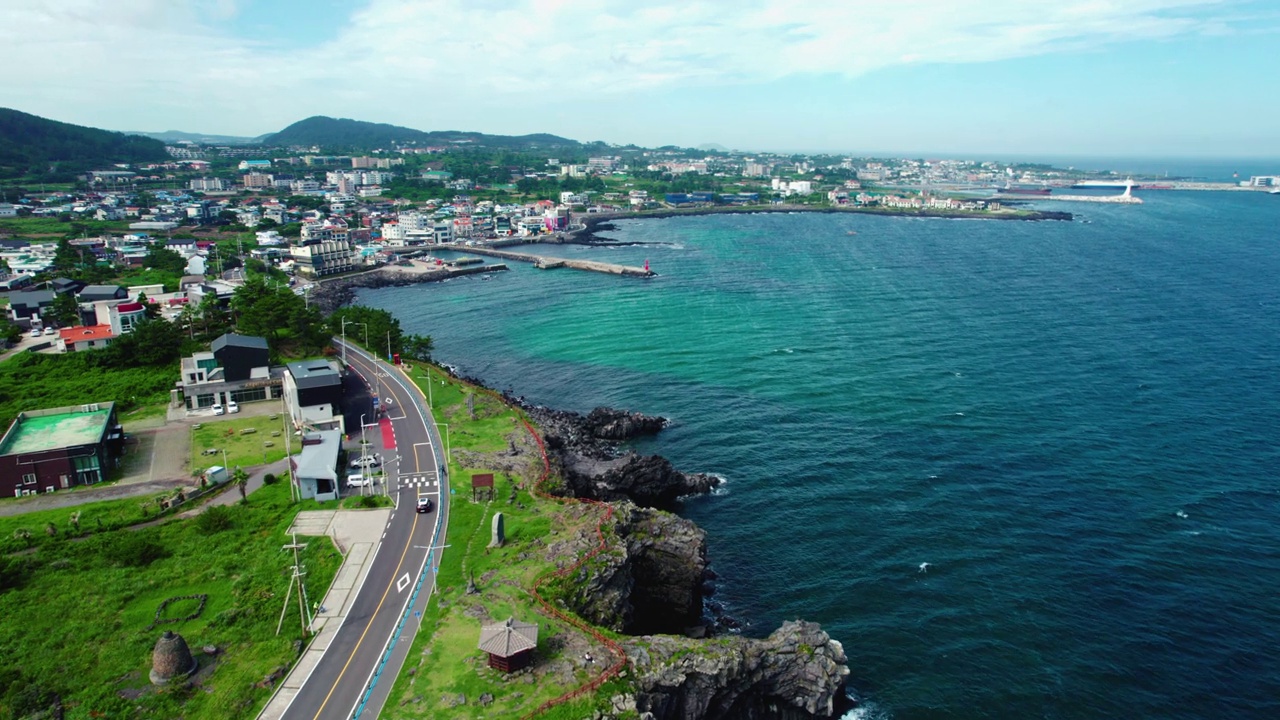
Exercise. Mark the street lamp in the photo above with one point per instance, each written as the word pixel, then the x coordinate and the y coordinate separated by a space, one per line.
pixel 345 323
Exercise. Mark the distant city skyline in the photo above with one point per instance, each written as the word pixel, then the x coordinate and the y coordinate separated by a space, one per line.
pixel 1154 78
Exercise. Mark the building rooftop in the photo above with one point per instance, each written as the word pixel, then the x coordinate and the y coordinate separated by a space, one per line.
pixel 319 456
pixel 241 341
pixel 508 638
pixel 314 373
pixel 42 430
pixel 80 333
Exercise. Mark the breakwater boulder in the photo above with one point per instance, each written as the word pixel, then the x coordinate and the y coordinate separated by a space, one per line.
pixel 796 673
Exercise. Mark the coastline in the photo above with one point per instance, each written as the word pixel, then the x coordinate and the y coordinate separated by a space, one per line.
pixel 598 222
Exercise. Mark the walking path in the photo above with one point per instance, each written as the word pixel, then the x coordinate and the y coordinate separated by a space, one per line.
pixel 356 533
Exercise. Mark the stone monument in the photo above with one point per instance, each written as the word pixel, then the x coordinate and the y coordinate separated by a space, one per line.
pixel 171 659
pixel 499 531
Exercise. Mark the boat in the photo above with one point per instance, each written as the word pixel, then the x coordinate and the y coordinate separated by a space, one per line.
pixel 1274 191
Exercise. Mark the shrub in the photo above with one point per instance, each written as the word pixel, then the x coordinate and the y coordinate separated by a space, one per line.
pixel 368 501
pixel 135 550
pixel 215 519
pixel 270 479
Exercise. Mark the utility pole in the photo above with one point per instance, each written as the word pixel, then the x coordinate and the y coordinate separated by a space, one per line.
pixel 299 573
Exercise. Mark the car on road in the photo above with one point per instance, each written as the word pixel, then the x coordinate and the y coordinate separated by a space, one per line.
pixel 35 332
pixel 219 410
pixel 357 480
pixel 50 331
pixel 232 407
pixel 424 504
pixel 366 461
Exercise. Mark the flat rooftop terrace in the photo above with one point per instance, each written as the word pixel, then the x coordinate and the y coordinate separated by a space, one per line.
pixel 37 433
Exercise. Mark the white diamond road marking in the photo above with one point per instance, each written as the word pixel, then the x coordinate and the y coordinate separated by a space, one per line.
pixel 402 583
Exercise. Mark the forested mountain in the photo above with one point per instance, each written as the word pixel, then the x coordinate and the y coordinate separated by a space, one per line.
pixel 34 146
pixel 344 134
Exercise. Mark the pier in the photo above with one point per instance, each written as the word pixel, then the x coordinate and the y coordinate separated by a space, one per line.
pixel 1124 198
pixel 549 263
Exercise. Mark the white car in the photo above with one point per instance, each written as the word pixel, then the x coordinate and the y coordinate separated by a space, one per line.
pixel 366 461
pixel 35 333
pixel 219 410
pixel 50 331
pixel 357 480
pixel 232 407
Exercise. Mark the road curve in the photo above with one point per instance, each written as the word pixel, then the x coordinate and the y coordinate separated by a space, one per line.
pixel 359 667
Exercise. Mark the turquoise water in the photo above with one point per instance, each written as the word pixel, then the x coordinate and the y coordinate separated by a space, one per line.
pixel 1072 424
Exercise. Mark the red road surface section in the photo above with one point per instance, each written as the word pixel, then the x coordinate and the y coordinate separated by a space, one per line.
pixel 388 435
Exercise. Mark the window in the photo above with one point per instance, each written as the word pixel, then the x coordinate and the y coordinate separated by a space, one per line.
pixel 29 479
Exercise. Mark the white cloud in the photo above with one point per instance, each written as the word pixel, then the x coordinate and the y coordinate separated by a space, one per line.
pixel 424 59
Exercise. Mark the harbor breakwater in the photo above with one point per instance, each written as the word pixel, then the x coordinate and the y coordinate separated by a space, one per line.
pixel 591 223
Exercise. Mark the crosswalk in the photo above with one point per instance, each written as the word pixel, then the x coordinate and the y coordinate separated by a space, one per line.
pixel 426 482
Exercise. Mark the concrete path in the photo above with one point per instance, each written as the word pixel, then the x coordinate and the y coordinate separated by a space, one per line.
pixel 357 534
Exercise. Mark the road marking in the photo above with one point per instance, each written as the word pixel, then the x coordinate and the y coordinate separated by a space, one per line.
pixel 403 583
pixel 378 609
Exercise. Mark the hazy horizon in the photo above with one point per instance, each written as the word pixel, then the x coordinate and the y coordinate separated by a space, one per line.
pixel 978 77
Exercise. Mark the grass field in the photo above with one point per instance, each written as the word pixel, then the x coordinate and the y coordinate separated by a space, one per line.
pixel 78 615
pixel 444 662
pixel 32 381
pixel 41 226
pixel 244 449
pixel 93 518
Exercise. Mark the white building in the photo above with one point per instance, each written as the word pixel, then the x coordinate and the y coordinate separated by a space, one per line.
pixel 207 184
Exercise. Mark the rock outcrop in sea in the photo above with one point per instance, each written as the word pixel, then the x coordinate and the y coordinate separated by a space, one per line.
pixel 797 673
pixel 586 453
pixel 652 579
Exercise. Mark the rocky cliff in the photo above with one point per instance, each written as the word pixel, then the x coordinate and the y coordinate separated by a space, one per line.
pixel 585 450
pixel 797 673
pixel 650 579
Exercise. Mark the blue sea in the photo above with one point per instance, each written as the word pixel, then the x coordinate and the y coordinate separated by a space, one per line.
pixel 1019 469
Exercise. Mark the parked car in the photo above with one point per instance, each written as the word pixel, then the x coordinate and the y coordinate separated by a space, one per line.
pixel 424 504
pixel 232 407
pixel 50 331
pixel 358 480
pixel 35 333
pixel 219 410
pixel 366 461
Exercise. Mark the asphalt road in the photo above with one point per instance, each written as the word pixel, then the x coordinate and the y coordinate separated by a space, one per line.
pixel 351 679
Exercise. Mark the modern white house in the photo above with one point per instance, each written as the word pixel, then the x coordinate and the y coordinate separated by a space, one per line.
pixel 315 469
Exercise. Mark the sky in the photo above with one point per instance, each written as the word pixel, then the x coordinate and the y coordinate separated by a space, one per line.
pixel 1157 78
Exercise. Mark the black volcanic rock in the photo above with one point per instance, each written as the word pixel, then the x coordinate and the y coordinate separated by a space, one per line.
pixel 649 480
pixel 609 424
pixel 797 673
pixel 650 581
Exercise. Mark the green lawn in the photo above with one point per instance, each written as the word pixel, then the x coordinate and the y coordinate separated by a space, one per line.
pixel 243 449
pixel 77 615
pixel 444 661
pixel 54 226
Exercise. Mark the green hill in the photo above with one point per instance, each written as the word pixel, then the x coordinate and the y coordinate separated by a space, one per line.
pixel 36 147
pixel 344 134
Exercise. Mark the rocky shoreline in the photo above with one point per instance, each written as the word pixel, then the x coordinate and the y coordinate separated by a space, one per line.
pixel 655 586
